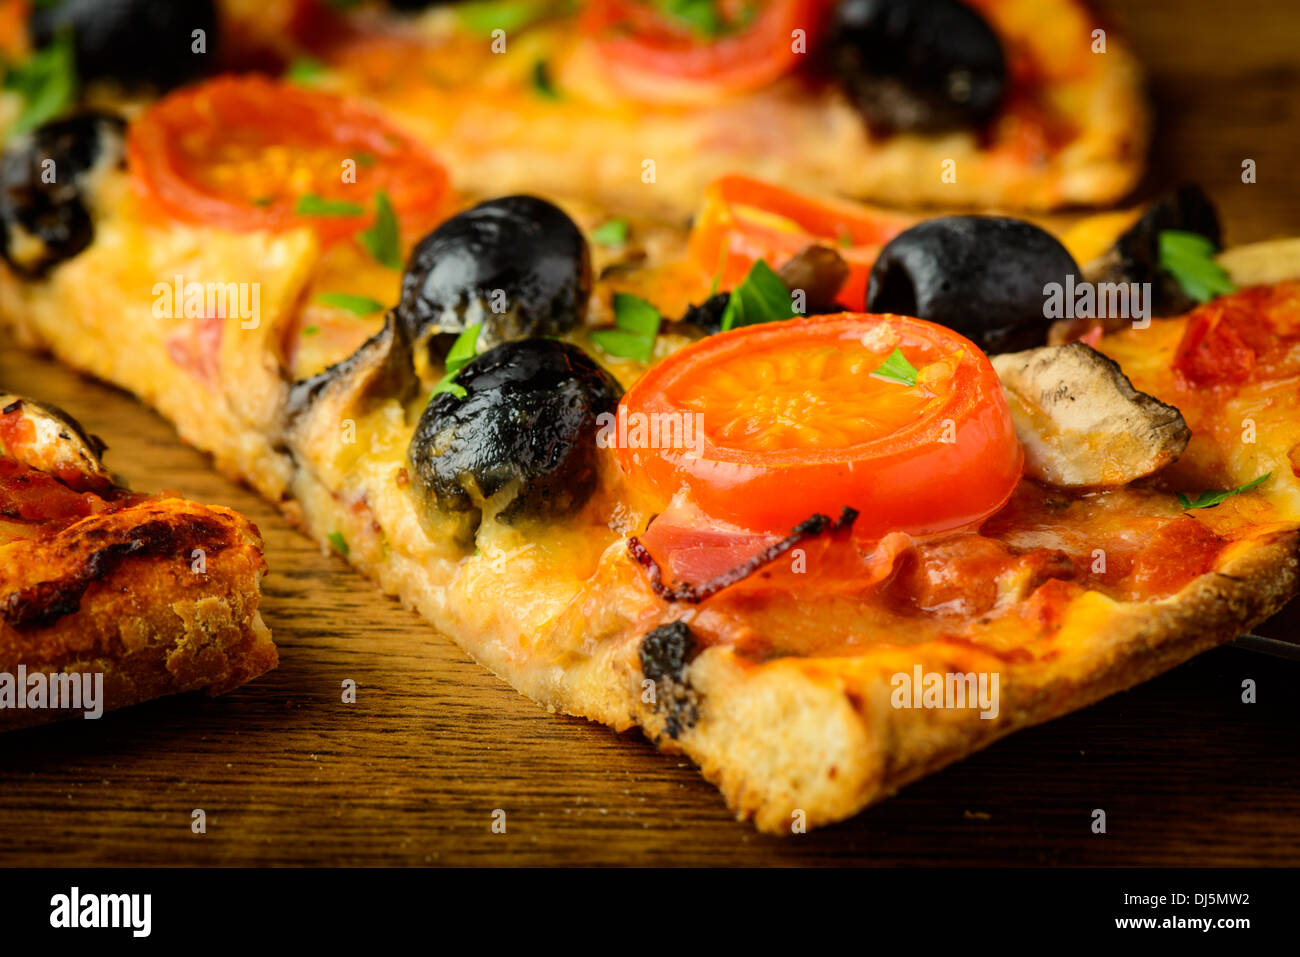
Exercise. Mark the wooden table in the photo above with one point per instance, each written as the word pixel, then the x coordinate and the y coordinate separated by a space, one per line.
pixel 411 773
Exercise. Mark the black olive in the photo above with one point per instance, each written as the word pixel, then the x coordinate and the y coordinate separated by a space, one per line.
pixel 132 41
pixel 707 316
pixel 917 65
pixel 518 265
pixel 44 178
pixel 522 442
pixel 1135 256
pixel 983 276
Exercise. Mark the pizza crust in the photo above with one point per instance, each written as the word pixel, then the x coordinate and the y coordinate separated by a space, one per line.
pixel 820 735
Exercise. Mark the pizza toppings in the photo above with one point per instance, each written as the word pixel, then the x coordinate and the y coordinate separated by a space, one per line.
pixel 44 219
pixel 688 52
pixel 47 438
pixel 918 65
pixel 517 266
pixel 744 220
pixel 793 405
pixel 131 41
pixel 221 153
pixel 984 276
pixel 1141 255
pixel 521 443
pixel 1081 422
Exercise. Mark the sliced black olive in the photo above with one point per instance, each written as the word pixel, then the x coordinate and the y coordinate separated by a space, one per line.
pixel 45 177
pixel 983 276
pixel 917 65
pixel 1135 256
pixel 132 41
pixel 707 316
pixel 522 442
pixel 518 265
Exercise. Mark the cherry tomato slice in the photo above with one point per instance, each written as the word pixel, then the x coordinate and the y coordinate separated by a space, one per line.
pixel 241 152
pixel 745 219
pixel 657 58
pixel 788 420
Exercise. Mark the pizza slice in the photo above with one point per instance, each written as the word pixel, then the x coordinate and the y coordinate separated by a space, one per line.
pixel 750 486
pixel 1031 104
pixel 109 597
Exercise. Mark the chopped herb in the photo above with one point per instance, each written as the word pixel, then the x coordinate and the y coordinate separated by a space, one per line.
pixel 1213 498
pixel 320 206
pixel 357 305
pixel 462 351
pixel 896 369
pixel 1189 258
pixel 304 70
pixel 610 233
pixel 365 160
pixel 700 16
pixel 845 239
pixel 543 85
pixel 636 324
pixel 311 331
pixel 47 83
pixel 381 239
pixel 262 201
pixel 342 4
pixel 339 542
pixel 760 297
pixel 484 16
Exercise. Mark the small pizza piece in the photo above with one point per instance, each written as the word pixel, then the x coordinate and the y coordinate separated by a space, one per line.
pixel 110 597
pixel 1081 422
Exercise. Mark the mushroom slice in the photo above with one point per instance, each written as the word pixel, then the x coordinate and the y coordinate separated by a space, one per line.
pixel 1080 420
pixel 47 438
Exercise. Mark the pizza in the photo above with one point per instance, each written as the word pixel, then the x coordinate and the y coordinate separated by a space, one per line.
pixel 110 597
pixel 1030 104
pixel 820 494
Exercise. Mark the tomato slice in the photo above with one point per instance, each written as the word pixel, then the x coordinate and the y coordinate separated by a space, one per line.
pixel 745 219
pixel 658 58
pixel 241 152
pixel 787 419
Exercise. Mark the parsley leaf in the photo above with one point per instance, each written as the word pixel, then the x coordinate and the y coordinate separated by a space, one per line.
pixel 357 305
pixel 310 331
pixel 462 351
pixel 543 85
pixel 1189 258
pixel 381 239
pixel 700 16
pixel 320 206
pixel 760 297
pixel 636 325
pixel 339 542
pixel 896 369
pixel 611 233
pixel 304 70
pixel 484 16
pixel 47 83
pixel 1213 498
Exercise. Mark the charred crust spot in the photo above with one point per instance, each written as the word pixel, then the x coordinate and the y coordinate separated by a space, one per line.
pixel 665 652
pixel 12 407
pixel 44 603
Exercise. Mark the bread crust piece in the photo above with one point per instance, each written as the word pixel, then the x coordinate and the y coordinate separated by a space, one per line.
pixel 160 597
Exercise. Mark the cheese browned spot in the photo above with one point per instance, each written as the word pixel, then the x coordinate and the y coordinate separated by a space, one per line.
pixel 1081 421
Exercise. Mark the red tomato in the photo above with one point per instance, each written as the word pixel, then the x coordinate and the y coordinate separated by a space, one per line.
pixel 745 219
pixel 789 420
pixel 241 152
pixel 657 58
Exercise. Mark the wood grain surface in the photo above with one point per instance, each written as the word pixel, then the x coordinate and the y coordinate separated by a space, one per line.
pixel 412 772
